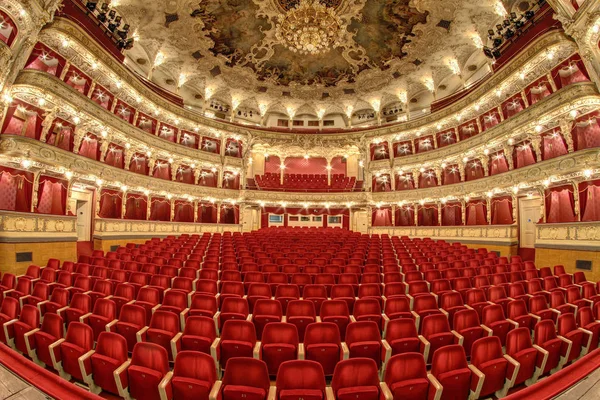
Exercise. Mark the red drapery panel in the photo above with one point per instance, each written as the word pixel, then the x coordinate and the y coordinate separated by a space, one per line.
pixel 498 163
pixel 78 80
pixel 402 149
pixel 42 58
pixel 553 144
pixel 23 119
pixel 207 213
pixel 208 178
pixel 16 188
pixel 427 179
pixel 272 165
pixel 111 204
pixel 476 213
pixel 167 132
pixel 162 170
pixel 233 148
pixel 9 30
pixel 52 196
pixel 185 174
pixel 560 204
pixel 189 139
pixel 586 132
pixel 489 119
pixel 114 156
pixel 380 151
pixel 230 214
pixel 90 147
pixel 404 182
pixel 300 165
pixel 451 214
pixel 124 111
pixel 424 144
pixel 381 216
pixel 502 210
pixel 450 175
pixel 446 138
pixel 538 90
pixel 405 216
pixel 473 170
pixel 428 215
pixel 231 180
pixel 160 209
pixel 513 105
pixel 103 97
pixel 211 145
pixel 381 183
pixel 572 70
pixel 146 123
pixel 523 155
pixel 184 211
pixel 61 134
pixel 139 164
pixel 136 207
pixel 338 166
pixel 589 200
pixel 468 129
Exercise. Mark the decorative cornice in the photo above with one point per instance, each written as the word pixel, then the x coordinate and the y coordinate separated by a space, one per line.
pixel 502 235
pixel 117 229
pixel 26 227
pixel 577 235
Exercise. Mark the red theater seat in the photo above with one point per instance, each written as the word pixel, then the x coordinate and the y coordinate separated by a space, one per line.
pixel 459 379
pixel 500 370
pixel 163 328
pixel 193 377
pixel 105 312
pixel 336 311
pixel 279 344
pixel 322 343
pixel 131 320
pixel 245 379
pixel 140 377
pixel 356 379
pixel 300 313
pixel 66 352
pixel 38 341
pixel 532 358
pixel 406 377
pixel 238 339
pixel 97 366
pixel 300 379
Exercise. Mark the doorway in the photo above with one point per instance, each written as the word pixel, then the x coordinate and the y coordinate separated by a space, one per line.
pixel 529 215
pixel 81 204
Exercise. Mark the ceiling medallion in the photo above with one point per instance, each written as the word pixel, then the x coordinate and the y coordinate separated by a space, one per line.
pixel 310 28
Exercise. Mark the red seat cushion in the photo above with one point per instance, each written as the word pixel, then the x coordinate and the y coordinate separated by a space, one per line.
pixel 358 392
pixel 236 392
pixel 188 388
pixel 411 389
pixel 143 382
pixel 306 394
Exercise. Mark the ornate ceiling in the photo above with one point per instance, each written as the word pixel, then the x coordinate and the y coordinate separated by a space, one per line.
pixel 232 51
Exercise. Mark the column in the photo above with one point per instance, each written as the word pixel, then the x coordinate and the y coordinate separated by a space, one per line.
pixel 104 142
pixel 98 198
pixel 393 180
pixel 47 124
pixel 435 142
pixel 218 212
pixel 456 134
pixel 577 207
pixel 412 146
pixel 485 163
pixel 151 163
pixel 524 98
pixel 328 168
pixel 536 145
pixel 64 70
pixel 91 90
pixel 500 113
pixel 438 175
pixel 416 209
pixel 439 209
pixel 127 156
pixel 565 129
pixel 174 168
pixel 172 217
pixel 197 173
pixel 393 215
pixel 463 212
pixel 488 203
pixel 508 154
pixel 149 208
pixel 415 175
pixel 195 205
pixel 461 170
pixel 34 194
pixel 369 218
pixel 123 205
pixel 514 207
pixel 281 170
pixel 220 177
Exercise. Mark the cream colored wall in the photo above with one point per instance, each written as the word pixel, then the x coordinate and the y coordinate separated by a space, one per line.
pixel 352 166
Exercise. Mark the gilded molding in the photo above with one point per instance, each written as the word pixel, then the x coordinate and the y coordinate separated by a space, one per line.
pixel 500 234
pixel 563 235
pixel 27 226
pixel 109 228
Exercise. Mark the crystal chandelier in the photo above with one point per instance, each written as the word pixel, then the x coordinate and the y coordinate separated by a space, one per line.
pixel 309 28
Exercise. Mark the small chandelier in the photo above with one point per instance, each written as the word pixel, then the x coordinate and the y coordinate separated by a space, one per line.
pixel 309 28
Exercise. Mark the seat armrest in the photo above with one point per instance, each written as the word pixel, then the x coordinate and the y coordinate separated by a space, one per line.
pixel 387 393
pixel 352 319
pixel 424 347
pixel 487 329
pixel 512 371
pixel 120 375
pixel 317 319
pixel 54 350
pixel 183 317
pixel 542 357
pixel 588 345
pixel 7 292
pixel 386 321
pixel 515 323
pixel 176 344
pixel 140 335
pixel 565 349
pixel 537 317
pixel 446 313
pixel 272 393
pixel 8 328
pixel 84 317
pixel 214 392
pixel 42 304
pixel 85 365
pixel 417 319
pixel 30 343
pixel 476 385
pixel 256 350
pixel 301 352
pixel 214 352
pixel 345 351
pixel 249 318
pixel 216 320
pixel 60 310
pixel 388 350
pixel 410 298
pixel 329 393
pixel 436 385
pixel 164 387
pixel 21 300
pixel 460 338
pixel 112 324
pixel 156 307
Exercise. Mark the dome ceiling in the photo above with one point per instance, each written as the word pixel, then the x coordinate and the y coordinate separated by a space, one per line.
pixel 327 54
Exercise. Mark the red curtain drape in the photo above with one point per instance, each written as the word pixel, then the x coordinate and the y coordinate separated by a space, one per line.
pixel 451 214
pixel 553 145
pixel 103 97
pixel 211 145
pixel 405 216
pixel 446 138
pixel 381 216
pixel 586 132
pixel 146 123
pixel 233 148
pixel 167 132
pixel 381 183
pixel 160 209
pixel 502 210
pixel 9 30
pixel 230 214
pixel 424 144
pixel 207 213
pixel 52 196
pixel 570 71
pixel 189 139
pixel 523 155
pixel 114 156
pixel 185 174
pixel 124 111
pixel 78 80
pixel 498 163
pixel 490 119
pixel 111 203
pixel 162 170
pixel 468 129
pixel 208 178
pixel 61 134
pixel 427 179
pixel 379 151
pixel 184 211
pixel 589 200
pixel 473 170
pixel 23 119
pixel 42 58
pixel 450 175
pixel 404 182
pixel 513 106
pixel 428 215
pixel 476 213
pixel 402 149
pixel 139 164
pixel 16 188
pixel 136 207
pixel 231 180
pixel 538 90
pixel 560 204
pixel 90 147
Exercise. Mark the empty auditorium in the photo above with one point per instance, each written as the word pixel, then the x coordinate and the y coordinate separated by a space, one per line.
pixel 300 199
